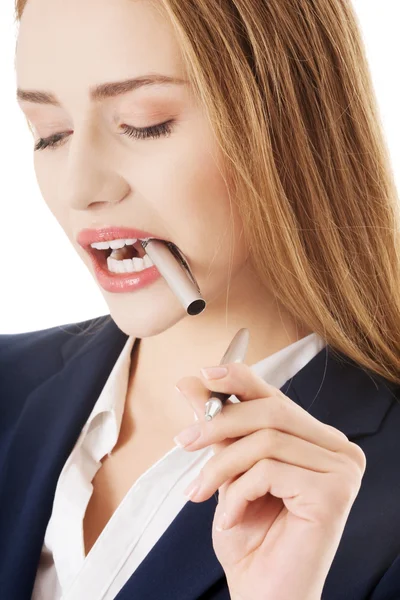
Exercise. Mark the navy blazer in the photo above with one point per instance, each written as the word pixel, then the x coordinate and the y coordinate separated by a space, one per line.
pixel 49 383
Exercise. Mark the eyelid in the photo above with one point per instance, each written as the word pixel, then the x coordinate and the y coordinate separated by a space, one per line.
pixel 123 126
pixel 155 131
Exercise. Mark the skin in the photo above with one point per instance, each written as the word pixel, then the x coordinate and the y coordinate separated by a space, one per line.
pixel 98 177
pixel 286 481
pixel 286 484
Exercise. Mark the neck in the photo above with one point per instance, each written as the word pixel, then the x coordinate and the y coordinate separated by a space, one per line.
pixel 158 362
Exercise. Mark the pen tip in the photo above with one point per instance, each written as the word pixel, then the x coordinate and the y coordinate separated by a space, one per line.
pixel 212 408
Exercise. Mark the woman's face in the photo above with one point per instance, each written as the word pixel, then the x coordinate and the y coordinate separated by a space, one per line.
pixel 95 177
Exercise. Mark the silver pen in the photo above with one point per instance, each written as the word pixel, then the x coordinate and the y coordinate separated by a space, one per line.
pixel 236 352
pixel 174 267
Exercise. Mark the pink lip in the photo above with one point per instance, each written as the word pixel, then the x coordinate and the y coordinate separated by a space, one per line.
pixel 105 234
pixel 116 282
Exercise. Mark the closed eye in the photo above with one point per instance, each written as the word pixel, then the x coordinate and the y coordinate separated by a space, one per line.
pixel 138 133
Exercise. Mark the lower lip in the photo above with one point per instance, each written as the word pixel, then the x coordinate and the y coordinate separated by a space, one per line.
pixel 121 282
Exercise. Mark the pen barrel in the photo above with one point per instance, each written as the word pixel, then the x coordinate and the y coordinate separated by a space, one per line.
pixel 236 352
pixel 221 396
pixel 176 276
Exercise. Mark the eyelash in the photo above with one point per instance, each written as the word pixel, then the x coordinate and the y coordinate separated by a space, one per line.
pixel 138 133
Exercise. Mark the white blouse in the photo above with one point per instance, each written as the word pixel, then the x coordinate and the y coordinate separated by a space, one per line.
pixel 149 507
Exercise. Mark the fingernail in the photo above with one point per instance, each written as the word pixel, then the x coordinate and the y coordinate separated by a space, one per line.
pixel 221 525
pixel 188 435
pixel 214 372
pixel 180 391
pixel 196 418
pixel 193 487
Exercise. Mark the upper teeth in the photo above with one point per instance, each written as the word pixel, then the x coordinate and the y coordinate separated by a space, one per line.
pixel 113 244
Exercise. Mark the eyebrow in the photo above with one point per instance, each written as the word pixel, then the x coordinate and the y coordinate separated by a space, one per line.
pixel 103 91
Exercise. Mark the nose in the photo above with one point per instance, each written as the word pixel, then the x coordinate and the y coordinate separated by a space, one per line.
pixel 91 179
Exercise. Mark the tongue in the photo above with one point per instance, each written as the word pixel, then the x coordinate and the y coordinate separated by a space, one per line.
pixel 129 251
pixel 139 250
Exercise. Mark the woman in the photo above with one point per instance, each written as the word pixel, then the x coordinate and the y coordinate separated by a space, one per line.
pixel 246 133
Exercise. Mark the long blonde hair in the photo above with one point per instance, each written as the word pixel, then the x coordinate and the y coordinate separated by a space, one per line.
pixel 287 89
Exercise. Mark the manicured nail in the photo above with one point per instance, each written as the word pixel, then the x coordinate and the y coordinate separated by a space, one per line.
pixel 221 525
pixel 188 435
pixel 196 418
pixel 214 372
pixel 193 487
pixel 180 391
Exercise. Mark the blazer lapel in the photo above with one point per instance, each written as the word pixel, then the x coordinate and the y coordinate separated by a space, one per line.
pixel 182 563
pixel 339 392
pixel 53 416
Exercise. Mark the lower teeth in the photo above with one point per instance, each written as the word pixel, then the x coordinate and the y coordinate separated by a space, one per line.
pixel 129 265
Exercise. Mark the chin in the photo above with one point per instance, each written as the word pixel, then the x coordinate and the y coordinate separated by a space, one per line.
pixel 146 320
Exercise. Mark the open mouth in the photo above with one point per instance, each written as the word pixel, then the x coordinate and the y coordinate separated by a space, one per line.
pixel 129 258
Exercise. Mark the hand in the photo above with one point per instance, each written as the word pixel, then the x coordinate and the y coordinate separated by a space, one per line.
pixel 286 482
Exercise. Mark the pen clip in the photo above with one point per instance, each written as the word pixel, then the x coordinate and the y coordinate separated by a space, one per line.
pixel 178 254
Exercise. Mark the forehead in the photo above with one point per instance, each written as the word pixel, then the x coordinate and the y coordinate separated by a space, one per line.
pixel 61 42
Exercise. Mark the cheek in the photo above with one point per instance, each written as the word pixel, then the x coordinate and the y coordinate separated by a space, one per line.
pixel 191 197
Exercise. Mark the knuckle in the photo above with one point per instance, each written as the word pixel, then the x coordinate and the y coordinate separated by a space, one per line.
pixel 338 432
pixel 345 487
pixel 263 469
pixel 261 477
pixel 358 456
pixel 214 472
pixel 354 456
pixel 276 412
pixel 351 468
pixel 330 502
pixel 346 493
pixel 236 370
pixel 355 477
pixel 271 441
pixel 322 506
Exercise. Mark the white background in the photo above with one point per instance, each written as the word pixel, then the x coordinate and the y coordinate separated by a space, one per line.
pixel 34 297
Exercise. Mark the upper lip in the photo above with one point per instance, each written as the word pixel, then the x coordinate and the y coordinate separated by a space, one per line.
pixel 88 236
